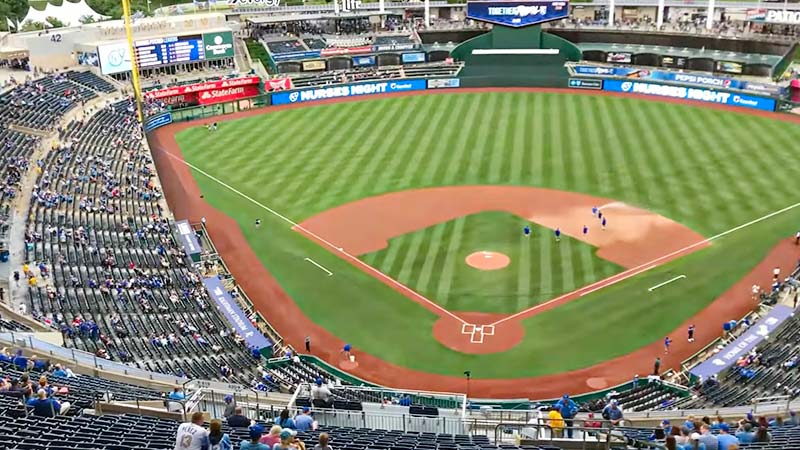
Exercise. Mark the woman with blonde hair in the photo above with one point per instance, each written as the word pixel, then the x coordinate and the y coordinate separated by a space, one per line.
pixel 273 437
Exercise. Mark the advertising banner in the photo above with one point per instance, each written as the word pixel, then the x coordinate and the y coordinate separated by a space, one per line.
pixel 309 66
pixel 218 45
pixel 345 51
pixel 582 83
pixel 518 13
pixel 630 72
pixel 729 67
pixel 443 83
pixel 744 343
pixel 393 47
pixel 360 61
pixel 769 89
pixel 369 88
pixel 773 16
pixel 278 84
pixel 228 94
pixel 410 58
pixel 688 93
pixel 114 58
pixel 619 57
pixel 156 121
pixel 236 317
pixel 186 235
pixel 291 56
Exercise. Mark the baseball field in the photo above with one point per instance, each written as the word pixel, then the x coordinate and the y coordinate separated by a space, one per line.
pixel 396 224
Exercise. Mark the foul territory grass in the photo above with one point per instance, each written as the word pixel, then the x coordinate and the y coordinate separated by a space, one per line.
pixel 708 169
pixel 432 262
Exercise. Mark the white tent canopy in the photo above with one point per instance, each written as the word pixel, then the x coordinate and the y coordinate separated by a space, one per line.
pixel 69 13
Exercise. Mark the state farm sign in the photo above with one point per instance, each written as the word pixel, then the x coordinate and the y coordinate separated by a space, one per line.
pixel 211 92
pixel 200 87
pixel 227 94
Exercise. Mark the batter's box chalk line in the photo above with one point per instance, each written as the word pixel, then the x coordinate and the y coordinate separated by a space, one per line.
pixel 477 332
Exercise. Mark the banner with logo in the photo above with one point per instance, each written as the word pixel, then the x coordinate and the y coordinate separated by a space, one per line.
pixel 159 120
pixel 393 47
pixel 210 92
pixel 236 317
pixel 352 90
pixel 689 93
pixel 187 238
pixel 769 89
pixel 744 343
pixel 443 83
pixel 360 61
pixel 773 16
pixel 218 45
pixel 519 13
pixel 278 84
pixel 292 56
pixel 336 51
pixel 630 72
pixel 582 83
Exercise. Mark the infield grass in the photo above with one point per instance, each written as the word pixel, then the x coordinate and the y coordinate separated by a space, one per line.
pixel 711 170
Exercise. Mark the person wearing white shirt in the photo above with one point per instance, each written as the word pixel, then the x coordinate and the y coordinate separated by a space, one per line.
pixel 192 435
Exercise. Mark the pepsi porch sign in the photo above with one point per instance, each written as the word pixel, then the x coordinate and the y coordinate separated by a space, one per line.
pixel 517 13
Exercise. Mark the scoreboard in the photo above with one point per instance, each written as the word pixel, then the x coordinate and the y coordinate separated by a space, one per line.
pixel 169 50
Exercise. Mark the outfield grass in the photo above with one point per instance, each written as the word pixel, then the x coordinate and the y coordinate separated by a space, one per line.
pixel 431 261
pixel 708 169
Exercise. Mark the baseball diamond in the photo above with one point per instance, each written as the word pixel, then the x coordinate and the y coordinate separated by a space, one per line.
pixel 391 194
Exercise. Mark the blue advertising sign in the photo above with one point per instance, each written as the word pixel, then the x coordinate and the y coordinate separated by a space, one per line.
pixel 688 93
pixel 579 83
pixel 156 121
pixel 351 90
pixel 520 13
pixel 630 72
pixel 359 61
pixel 187 238
pixel 236 317
pixel 413 58
pixel 744 343
pixel 290 56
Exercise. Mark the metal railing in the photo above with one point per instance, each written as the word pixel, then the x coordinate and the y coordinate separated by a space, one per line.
pixel 540 431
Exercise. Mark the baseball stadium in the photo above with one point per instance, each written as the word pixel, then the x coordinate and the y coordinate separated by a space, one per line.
pixel 427 225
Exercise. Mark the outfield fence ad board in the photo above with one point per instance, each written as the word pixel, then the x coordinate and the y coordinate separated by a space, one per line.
pixel 759 331
pixel 689 93
pixel 348 90
pixel 236 317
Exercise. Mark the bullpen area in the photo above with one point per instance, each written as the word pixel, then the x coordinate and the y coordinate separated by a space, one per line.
pixel 546 241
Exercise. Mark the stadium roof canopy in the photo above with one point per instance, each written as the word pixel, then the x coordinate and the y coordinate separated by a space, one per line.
pixel 68 13
pixel 266 20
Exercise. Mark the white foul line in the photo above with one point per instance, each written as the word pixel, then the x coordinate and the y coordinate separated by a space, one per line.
pixel 653 288
pixel 643 267
pixel 319 238
pixel 315 263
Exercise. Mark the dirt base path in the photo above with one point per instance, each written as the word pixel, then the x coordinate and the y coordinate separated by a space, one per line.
pixel 183 196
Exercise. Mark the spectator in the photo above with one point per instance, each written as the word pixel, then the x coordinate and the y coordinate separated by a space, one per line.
pixel 763 435
pixel 238 420
pixel 230 406
pixel 216 438
pixel 708 439
pixel 255 435
pixel 792 420
pixel 321 396
pixel 285 421
pixel 324 439
pixel 46 407
pixel 192 435
pixel 273 437
pixel 286 436
pixel 745 435
pixel 405 400
pixel 671 444
pixel 613 414
pixel 568 409
pixel 60 372
pixel 304 421
pixel 590 422
pixel 725 439
pixel 177 394
pixel 556 422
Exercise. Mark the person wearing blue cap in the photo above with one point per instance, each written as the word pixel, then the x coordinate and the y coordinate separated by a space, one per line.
pixel 287 437
pixel 568 409
pixel 230 406
pixel 304 421
pixel 321 396
pixel 253 444
pixel 724 438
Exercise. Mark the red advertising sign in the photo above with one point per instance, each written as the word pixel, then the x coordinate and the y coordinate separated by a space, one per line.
pixel 214 91
pixel 200 87
pixel 345 51
pixel 226 94
pixel 278 84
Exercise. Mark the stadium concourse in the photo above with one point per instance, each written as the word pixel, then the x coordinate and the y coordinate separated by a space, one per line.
pixel 115 336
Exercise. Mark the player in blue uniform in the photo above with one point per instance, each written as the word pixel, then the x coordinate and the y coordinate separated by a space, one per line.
pixel 603 223
pixel 690 332
pixel 594 211
pixel 526 231
pixel 667 342
pixel 558 234
pixel 585 230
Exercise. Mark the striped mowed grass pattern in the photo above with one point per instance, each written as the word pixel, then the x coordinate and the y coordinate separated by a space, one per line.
pixel 432 262
pixel 708 169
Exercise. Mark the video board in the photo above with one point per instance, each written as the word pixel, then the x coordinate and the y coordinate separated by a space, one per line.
pixel 169 50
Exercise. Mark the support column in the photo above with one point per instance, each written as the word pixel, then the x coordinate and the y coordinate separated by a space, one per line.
pixel 612 6
pixel 660 14
pixel 710 13
pixel 381 6
pixel 427 13
pixel 336 7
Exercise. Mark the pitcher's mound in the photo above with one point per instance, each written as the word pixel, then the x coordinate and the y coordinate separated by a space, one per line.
pixel 486 260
